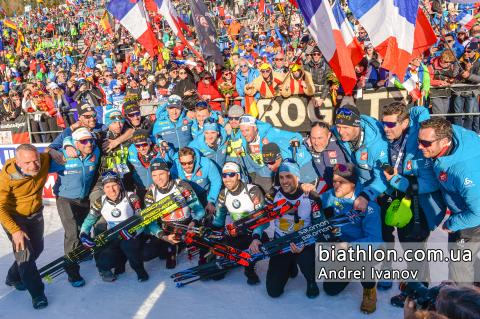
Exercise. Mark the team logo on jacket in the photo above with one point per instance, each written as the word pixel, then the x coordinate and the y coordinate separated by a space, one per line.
pixel 93 158
pixel 333 161
pixel 116 212
pixel 236 203
pixel 199 173
pixel 409 165
pixel 185 121
pixel 153 117
pixel 256 201
pixel 186 193
pixel 265 141
pixel 332 154
pixel 443 177
pixel 363 156
pixel 136 206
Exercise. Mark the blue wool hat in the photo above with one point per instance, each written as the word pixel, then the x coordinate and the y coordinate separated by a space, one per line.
pixel 248 41
pixel 210 125
pixel 270 44
pixel 115 113
pixel 290 167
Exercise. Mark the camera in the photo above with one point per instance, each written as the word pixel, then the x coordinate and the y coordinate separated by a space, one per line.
pixel 416 290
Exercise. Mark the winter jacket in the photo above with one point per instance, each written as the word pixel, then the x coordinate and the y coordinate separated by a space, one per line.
pixel 177 134
pixel 414 163
pixel 75 177
pixel 219 156
pixel 374 147
pixel 363 230
pixel 266 91
pixel 319 72
pixel 211 90
pixel 243 80
pixel 141 174
pixel 294 86
pixel 21 195
pixel 457 174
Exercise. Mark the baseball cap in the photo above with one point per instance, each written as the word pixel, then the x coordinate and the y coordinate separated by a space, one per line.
pixel 271 152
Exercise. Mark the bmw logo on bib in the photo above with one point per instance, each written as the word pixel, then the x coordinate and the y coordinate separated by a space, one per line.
pixel 236 203
pixel 116 212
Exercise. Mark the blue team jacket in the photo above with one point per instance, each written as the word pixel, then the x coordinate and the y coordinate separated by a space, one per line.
pixel 218 157
pixel 75 177
pixel 141 174
pixel 177 134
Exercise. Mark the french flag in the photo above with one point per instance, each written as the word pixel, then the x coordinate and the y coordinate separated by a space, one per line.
pixel 165 8
pixel 133 16
pixel 466 19
pixel 351 41
pixel 326 33
pixel 264 8
pixel 410 84
pixel 398 30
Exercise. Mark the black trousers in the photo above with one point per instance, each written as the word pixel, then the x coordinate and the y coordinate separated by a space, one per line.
pixel 118 254
pixel 72 214
pixel 24 268
pixel 154 247
pixel 277 274
pixel 50 124
pixel 333 288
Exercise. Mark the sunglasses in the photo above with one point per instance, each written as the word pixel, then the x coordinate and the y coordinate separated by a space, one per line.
pixel 229 174
pixel 370 47
pixel 85 142
pixel 132 115
pixel 344 112
pixel 468 51
pixel 173 100
pixel 231 118
pixel 115 117
pixel 288 160
pixel 391 124
pixel 108 76
pixel 207 78
pixel 427 144
pixel 186 163
pixel 259 62
pixel 266 71
pixel 243 65
pixel 449 41
pixel 278 59
pixel 141 145
pixel 321 124
pixel 317 54
pixel 173 71
pixel 182 73
pixel 342 168
pixel 91 116
pixel 109 173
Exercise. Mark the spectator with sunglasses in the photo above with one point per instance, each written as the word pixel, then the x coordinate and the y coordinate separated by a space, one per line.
pixel 248 53
pixel 410 169
pixel 186 89
pixel 200 172
pixel 362 35
pixel 319 69
pixel 71 189
pixel 245 75
pixel 299 82
pixel 365 231
pixel 207 88
pixel 467 101
pixel 364 143
pixel 309 212
pixel 163 243
pixel 115 206
pixel 455 154
pixel 212 142
pixel 279 64
pixel 240 199
pixel 268 84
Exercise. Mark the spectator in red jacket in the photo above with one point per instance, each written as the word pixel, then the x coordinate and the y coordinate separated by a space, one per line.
pixel 227 79
pixel 208 90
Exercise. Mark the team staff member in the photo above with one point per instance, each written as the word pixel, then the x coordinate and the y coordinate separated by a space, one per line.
pixel 200 172
pixel 455 153
pixel 363 142
pixel 71 190
pixel 189 214
pixel 283 266
pixel 21 215
pixel 240 199
pixel 363 231
pixel 411 169
pixel 140 154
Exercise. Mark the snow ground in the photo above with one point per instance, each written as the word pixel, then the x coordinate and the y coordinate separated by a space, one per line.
pixel 159 297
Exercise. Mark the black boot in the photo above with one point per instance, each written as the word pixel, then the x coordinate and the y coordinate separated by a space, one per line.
pixel 398 300
pixel 40 302
pixel 312 289
pixel 142 275
pixel 20 286
pixel 252 278
pixel 76 280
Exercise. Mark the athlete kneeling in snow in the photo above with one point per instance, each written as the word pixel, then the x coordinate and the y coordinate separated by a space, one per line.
pixel 115 206
pixel 362 231
pixel 240 199
pixel 309 212
pixel 190 214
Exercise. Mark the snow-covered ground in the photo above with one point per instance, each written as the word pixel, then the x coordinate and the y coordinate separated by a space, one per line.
pixel 159 297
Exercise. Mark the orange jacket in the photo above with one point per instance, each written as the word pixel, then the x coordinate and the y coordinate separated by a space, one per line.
pixel 19 194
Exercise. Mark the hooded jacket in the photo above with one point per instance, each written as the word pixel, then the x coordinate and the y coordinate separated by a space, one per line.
pixel 220 155
pixel 458 174
pixel 262 87
pixel 243 80
pixel 294 86
pixel 430 197
pixel 177 134
pixel 374 147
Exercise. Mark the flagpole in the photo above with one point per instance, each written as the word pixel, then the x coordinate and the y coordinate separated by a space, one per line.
pixel 284 80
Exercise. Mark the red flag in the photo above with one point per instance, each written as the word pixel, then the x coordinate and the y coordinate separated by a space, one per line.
pixel 294 3
pixel 183 25
pixel 424 35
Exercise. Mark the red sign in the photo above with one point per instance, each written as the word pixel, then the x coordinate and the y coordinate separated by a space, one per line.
pixel 93 158
pixel 443 177
pixel 256 201
pixel 255 149
pixel 363 156
pixel 332 154
pixel 409 166
pixel 186 193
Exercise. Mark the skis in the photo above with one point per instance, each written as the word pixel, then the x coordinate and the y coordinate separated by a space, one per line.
pixel 322 232
pixel 132 224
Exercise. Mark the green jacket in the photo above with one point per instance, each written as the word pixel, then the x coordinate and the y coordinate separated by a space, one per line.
pixel 424 76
